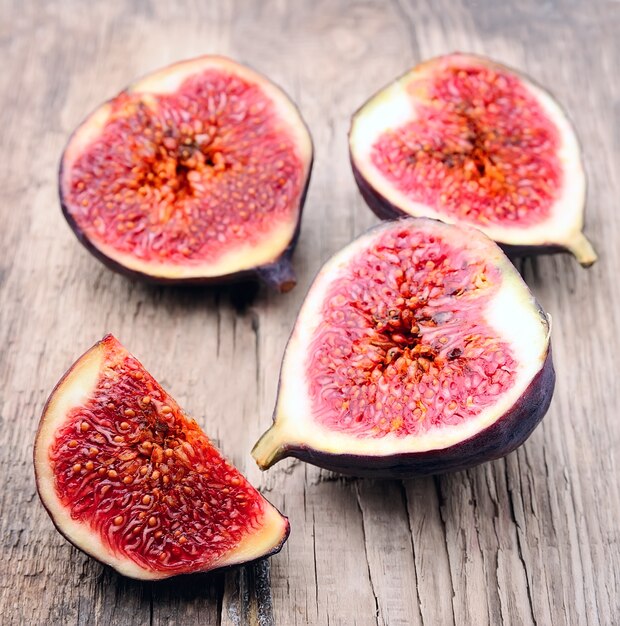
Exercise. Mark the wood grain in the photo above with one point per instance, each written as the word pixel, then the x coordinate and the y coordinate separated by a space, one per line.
pixel 531 539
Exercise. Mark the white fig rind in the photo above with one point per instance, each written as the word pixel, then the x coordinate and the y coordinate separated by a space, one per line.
pixel 74 390
pixel 512 312
pixel 274 245
pixel 394 106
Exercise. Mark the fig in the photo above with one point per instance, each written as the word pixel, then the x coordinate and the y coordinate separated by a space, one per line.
pixel 196 173
pixel 132 481
pixel 466 140
pixel 418 350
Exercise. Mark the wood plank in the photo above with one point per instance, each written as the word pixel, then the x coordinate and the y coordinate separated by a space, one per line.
pixel 531 539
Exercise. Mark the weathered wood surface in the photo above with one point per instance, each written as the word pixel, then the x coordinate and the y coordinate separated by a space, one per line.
pixel 532 539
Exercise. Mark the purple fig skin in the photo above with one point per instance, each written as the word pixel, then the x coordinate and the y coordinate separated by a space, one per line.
pixel 59 528
pixel 386 210
pixel 224 568
pixel 496 441
pixel 278 274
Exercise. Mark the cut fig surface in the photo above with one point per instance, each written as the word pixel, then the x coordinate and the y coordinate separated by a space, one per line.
pixel 129 479
pixel 419 349
pixel 196 173
pixel 466 140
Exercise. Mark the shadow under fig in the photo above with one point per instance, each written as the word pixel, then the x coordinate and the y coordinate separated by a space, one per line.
pixel 208 586
pixel 240 295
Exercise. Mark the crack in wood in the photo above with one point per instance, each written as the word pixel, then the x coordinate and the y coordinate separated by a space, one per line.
pixel 403 493
pixel 218 331
pixel 256 330
pixel 370 580
pixel 316 573
pixel 519 544
pixel 440 501
pixel 151 607
pixel 474 500
pixel 262 592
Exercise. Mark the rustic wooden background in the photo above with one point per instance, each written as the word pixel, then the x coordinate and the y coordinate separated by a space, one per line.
pixel 532 539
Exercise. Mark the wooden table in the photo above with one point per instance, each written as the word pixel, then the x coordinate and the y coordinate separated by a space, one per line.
pixel 531 539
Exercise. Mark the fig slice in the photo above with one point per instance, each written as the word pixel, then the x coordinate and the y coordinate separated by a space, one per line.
pixel 196 173
pixel 132 481
pixel 466 140
pixel 418 350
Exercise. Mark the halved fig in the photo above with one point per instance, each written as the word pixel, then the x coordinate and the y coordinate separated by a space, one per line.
pixel 132 481
pixel 418 350
pixel 196 173
pixel 466 140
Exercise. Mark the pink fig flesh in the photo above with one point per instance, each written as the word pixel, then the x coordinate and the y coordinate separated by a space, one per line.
pixel 419 349
pixel 132 481
pixel 196 173
pixel 467 140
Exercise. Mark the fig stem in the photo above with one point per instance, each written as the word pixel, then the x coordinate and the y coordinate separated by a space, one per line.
pixel 279 275
pixel 269 449
pixel 582 250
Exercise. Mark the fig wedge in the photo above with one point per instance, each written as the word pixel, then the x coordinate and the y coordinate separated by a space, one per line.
pixel 418 350
pixel 467 140
pixel 132 481
pixel 196 173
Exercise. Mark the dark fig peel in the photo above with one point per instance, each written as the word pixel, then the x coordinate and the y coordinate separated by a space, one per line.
pixel 132 481
pixel 418 350
pixel 466 140
pixel 197 173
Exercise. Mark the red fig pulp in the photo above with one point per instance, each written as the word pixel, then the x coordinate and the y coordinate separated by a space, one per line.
pixel 196 173
pixel 469 141
pixel 419 349
pixel 129 479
